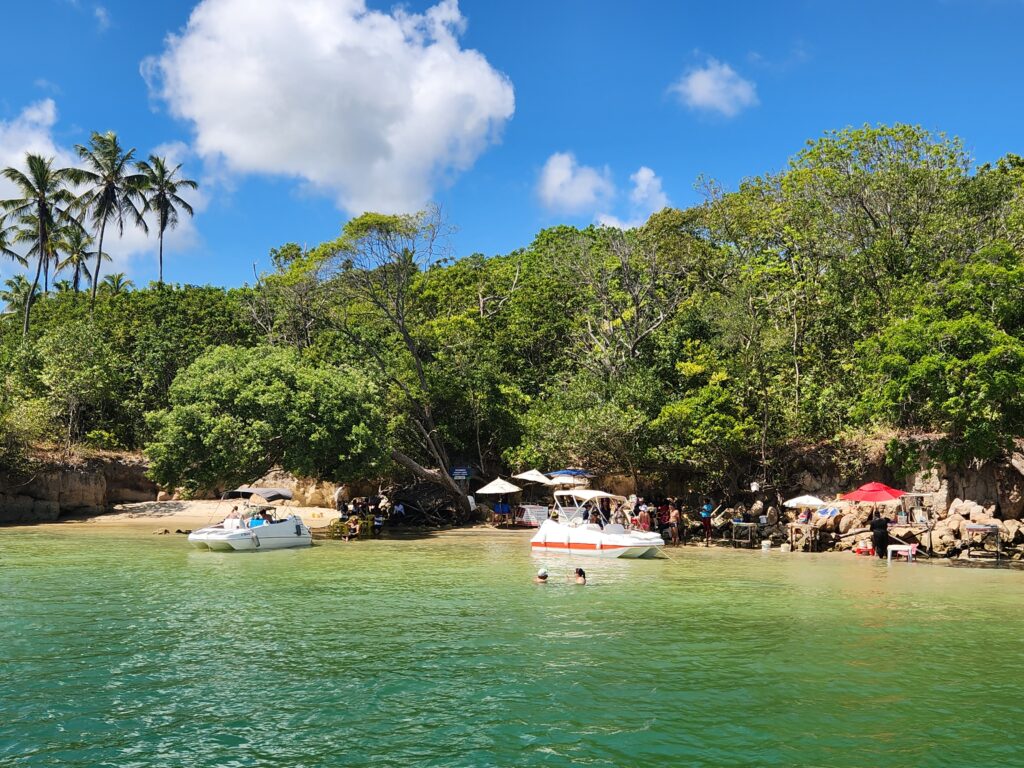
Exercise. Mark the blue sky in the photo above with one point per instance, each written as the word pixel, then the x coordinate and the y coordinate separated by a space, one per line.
pixel 512 116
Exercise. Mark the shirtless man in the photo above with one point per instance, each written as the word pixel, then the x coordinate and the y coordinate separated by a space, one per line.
pixel 673 525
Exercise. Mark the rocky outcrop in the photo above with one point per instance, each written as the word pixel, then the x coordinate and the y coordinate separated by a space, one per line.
pixel 53 490
pixel 312 492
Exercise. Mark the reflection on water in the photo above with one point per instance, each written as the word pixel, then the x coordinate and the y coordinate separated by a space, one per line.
pixel 128 650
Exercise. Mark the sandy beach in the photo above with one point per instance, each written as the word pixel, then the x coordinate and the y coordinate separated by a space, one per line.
pixel 172 516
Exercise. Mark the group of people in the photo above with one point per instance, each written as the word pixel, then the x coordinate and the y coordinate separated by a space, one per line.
pixel 667 515
pixel 373 511
pixel 578 576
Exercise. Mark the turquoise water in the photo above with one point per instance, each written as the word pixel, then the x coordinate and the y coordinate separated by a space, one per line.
pixel 131 650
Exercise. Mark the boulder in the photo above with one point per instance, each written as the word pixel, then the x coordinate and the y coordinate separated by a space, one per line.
pixel 954 506
pixel 1014 531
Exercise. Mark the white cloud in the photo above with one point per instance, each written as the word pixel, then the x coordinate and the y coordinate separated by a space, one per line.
pixel 716 87
pixel 102 16
pixel 568 187
pixel 32 132
pixel 372 108
pixel 646 197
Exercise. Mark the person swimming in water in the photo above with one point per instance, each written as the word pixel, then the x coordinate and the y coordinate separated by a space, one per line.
pixel 580 576
pixel 541 577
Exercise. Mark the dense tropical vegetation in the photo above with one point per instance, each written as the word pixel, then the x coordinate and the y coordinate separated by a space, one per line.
pixel 874 287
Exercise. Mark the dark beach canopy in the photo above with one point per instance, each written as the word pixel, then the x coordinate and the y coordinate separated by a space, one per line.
pixel 270 494
pixel 570 473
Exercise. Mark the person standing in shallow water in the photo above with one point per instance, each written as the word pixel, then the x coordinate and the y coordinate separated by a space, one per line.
pixel 541 577
pixel 580 576
pixel 880 534
pixel 705 520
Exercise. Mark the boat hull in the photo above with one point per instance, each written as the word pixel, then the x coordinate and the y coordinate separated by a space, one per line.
pixel 289 533
pixel 591 541
pixel 636 553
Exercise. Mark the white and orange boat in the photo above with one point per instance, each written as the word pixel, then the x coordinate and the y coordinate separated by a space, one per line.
pixel 571 535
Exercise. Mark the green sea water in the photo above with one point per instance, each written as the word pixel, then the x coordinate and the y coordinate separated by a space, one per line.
pixel 130 650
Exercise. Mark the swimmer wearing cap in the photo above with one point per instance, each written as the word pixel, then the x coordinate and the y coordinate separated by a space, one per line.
pixel 541 577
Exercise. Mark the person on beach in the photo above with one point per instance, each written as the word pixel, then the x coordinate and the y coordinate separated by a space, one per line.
pixel 673 526
pixel 378 522
pixel 580 576
pixel 355 526
pixel 541 577
pixel 705 520
pixel 880 534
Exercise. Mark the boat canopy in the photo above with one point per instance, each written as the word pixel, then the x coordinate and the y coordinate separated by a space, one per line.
pixel 270 494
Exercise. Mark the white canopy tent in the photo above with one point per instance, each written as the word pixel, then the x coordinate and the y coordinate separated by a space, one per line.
pixel 498 487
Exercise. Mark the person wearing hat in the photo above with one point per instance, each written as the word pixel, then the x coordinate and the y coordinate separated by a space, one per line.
pixel 541 577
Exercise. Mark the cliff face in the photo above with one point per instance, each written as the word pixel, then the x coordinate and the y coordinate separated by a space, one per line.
pixel 57 490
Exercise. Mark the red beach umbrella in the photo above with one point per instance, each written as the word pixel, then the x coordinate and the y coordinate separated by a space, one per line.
pixel 874 492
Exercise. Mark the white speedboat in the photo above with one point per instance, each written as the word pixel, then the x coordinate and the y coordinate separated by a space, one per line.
pixel 588 539
pixel 255 527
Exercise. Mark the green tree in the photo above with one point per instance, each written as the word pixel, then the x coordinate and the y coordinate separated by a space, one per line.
pixel 15 294
pixel 8 234
pixel 82 377
pixel 161 187
pixel 116 284
pixel 238 412
pixel 75 243
pixel 962 379
pixel 113 194
pixel 44 195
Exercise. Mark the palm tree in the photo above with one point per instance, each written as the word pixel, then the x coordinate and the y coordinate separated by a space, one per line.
pixel 28 233
pixel 113 194
pixel 74 243
pixel 162 185
pixel 45 196
pixel 14 294
pixel 63 286
pixel 8 234
pixel 115 284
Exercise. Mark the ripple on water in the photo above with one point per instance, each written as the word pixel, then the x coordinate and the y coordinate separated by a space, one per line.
pixel 129 651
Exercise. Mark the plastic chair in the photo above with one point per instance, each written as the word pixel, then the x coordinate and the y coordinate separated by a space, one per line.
pixel 902 549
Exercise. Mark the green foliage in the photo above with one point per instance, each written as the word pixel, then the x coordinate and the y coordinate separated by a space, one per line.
pixel 237 412
pixel 874 286
pixel 962 379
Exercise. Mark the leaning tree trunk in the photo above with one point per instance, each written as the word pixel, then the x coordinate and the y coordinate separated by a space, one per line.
pixel 441 478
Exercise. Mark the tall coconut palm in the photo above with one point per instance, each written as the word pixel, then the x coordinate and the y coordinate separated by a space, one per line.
pixel 27 233
pixel 45 196
pixel 8 234
pixel 75 243
pixel 14 294
pixel 113 194
pixel 115 283
pixel 161 192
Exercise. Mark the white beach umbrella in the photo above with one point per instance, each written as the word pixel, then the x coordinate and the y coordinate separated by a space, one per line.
pixel 533 476
pixel 498 487
pixel 800 502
